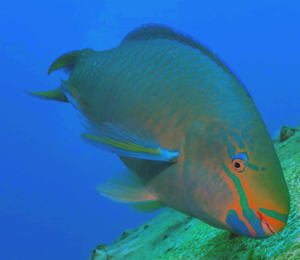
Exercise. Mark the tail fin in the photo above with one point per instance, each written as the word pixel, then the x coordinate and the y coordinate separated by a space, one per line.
pixel 66 62
pixel 55 94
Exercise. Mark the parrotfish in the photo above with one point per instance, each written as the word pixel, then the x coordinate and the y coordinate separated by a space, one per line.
pixel 185 127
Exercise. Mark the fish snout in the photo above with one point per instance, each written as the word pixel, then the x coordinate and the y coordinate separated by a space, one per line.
pixel 267 228
pixel 270 225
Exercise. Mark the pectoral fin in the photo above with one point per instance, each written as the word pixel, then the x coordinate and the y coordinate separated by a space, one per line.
pixel 126 138
pixel 125 141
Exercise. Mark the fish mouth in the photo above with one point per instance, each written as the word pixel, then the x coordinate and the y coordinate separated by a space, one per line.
pixel 269 231
pixel 267 228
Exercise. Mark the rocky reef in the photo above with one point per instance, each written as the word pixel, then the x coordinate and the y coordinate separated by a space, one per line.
pixel 174 236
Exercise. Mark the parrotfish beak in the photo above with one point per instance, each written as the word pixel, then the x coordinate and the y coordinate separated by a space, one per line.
pixel 258 223
pixel 271 221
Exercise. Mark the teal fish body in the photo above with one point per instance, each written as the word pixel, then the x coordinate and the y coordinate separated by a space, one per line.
pixel 184 126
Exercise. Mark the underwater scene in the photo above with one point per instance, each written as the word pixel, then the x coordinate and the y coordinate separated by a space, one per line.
pixel 149 130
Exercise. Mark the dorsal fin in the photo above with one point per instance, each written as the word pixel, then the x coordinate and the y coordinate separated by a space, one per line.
pixel 154 31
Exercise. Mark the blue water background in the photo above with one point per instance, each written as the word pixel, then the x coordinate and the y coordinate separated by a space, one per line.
pixel 49 207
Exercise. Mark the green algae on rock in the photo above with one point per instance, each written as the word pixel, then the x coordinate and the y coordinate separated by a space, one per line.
pixel 174 236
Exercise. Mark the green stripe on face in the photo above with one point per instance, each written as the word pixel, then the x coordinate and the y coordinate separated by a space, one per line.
pixel 237 138
pixel 253 167
pixel 274 214
pixel 247 211
pixel 231 151
pixel 237 183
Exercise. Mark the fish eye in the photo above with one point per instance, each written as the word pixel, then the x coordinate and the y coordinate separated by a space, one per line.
pixel 238 162
pixel 238 165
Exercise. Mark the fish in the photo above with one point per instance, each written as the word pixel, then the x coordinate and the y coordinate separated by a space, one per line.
pixel 185 127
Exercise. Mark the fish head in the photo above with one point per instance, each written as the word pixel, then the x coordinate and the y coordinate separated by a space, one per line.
pixel 234 180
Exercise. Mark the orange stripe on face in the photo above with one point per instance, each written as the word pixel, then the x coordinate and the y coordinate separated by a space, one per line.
pixel 238 208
